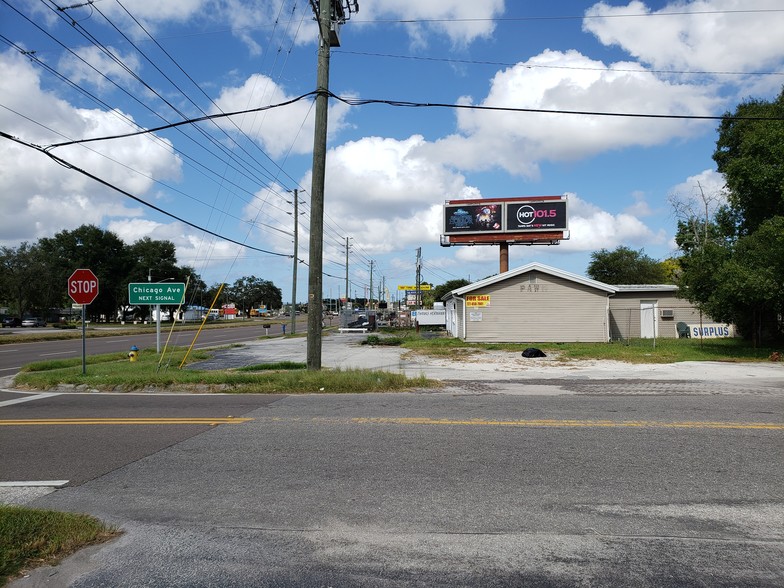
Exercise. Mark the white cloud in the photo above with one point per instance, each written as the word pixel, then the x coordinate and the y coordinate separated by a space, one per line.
pixel 389 196
pixel 569 81
pixel 193 248
pixel 386 195
pixel 462 22
pixel 641 207
pixel 279 130
pixel 592 228
pixel 712 35
pixel 708 183
pixel 158 12
pixel 689 199
pixel 86 64
pixel 47 197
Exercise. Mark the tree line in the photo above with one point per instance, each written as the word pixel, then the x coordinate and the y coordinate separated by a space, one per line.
pixel 33 276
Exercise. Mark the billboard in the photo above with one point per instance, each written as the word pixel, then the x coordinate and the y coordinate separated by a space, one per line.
pixel 536 216
pixel 494 218
pixel 465 219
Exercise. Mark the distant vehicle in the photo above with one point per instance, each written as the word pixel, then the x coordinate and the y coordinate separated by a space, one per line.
pixel 12 321
pixel 33 321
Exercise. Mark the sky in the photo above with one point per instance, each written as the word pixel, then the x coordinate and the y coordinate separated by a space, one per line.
pixel 222 190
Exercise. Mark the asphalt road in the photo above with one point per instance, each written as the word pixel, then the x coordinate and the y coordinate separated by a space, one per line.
pixel 13 356
pixel 626 486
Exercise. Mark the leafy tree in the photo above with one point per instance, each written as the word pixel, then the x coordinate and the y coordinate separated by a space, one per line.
pixel 625 266
pixel 734 271
pixel 250 292
pixel 440 291
pixel 750 154
pixel 22 279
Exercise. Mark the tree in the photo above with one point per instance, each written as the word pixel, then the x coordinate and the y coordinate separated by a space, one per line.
pixel 625 266
pixel 750 154
pixel 20 274
pixel 251 292
pixel 92 248
pixel 440 291
pixel 734 272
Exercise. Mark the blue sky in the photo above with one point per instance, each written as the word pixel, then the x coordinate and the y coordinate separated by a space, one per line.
pixel 389 168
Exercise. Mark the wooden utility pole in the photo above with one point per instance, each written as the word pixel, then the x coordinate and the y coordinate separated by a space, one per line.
pixel 331 14
pixel 294 270
pixel 347 298
pixel 313 359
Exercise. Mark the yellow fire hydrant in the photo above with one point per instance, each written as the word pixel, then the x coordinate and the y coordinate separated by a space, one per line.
pixel 133 353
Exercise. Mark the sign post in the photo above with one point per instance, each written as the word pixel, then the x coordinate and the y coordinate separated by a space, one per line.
pixel 83 289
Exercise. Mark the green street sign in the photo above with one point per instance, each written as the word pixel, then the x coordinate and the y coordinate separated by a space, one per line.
pixel 152 293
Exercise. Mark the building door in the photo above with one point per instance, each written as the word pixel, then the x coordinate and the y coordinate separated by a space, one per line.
pixel 649 325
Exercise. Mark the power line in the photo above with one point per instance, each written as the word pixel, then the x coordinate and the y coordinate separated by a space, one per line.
pixel 506 19
pixel 111 186
pixel 564 67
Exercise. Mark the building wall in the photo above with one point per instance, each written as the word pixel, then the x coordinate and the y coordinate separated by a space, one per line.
pixel 625 314
pixel 537 307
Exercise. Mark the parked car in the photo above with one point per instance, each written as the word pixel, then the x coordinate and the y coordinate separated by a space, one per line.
pixel 33 321
pixel 12 321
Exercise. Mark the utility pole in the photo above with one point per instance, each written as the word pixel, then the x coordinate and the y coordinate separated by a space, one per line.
pixel 347 296
pixel 370 302
pixel 330 16
pixel 419 277
pixel 296 261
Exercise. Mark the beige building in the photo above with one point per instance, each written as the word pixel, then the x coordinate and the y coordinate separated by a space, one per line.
pixel 538 303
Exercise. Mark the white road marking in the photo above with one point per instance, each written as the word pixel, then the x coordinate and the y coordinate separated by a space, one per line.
pixel 27 484
pixel 28 398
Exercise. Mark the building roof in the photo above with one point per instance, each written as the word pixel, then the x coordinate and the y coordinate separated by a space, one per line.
pixel 531 267
pixel 646 287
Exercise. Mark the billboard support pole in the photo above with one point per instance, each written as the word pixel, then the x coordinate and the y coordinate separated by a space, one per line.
pixel 504 257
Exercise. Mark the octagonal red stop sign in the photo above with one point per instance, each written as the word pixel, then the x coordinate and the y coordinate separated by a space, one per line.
pixel 83 286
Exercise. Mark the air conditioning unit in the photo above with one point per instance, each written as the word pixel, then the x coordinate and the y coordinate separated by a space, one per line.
pixel 667 313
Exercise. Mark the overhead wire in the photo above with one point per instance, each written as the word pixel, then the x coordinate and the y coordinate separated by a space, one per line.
pixel 558 67
pixel 31 54
pixel 360 253
pixel 111 186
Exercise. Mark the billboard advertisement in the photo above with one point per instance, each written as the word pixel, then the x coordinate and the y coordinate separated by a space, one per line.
pixel 506 215
pixel 536 216
pixel 465 219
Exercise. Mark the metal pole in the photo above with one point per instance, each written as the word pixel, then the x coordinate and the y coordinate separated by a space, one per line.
pixel 294 271
pixel 84 345
pixel 317 192
pixel 158 328
pixel 504 257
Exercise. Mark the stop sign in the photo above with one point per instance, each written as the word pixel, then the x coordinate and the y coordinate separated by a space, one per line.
pixel 83 286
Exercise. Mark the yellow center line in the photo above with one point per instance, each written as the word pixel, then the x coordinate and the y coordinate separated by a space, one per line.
pixel 127 421
pixel 571 423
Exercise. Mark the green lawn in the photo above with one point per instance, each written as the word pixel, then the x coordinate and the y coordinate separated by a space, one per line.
pixel 113 372
pixel 32 537
pixel 633 351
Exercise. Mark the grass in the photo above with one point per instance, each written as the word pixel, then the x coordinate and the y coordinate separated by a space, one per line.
pixel 32 537
pixel 113 372
pixel 633 351
pixel 281 365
